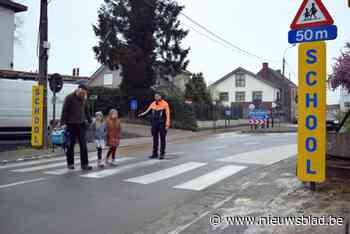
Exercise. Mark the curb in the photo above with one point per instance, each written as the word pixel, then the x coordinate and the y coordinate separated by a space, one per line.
pixel 264 132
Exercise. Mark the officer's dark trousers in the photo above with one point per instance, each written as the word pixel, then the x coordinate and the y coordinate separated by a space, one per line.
pixel 159 131
pixel 77 132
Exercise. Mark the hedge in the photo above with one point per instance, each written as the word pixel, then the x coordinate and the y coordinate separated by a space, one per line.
pixel 183 116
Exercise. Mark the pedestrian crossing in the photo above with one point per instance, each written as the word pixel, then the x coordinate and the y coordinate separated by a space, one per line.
pixel 204 174
pixel 211 178
pixel 166 174
pixel 63 171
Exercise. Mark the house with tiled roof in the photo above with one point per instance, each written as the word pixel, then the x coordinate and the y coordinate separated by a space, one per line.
pixel 241 88
pixel 105 77
pixel 288 90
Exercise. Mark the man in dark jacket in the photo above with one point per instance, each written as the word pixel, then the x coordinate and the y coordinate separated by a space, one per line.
pixel 76 117
pixel 160 121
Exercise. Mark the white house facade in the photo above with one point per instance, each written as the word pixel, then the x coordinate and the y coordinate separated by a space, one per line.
pixel 8 9
pixel 242 88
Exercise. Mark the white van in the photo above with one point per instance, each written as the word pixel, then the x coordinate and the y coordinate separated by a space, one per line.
pixel 16 102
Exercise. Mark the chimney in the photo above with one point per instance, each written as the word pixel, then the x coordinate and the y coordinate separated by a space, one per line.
pixel 279 71
pixel 78 71
pixel 265 66
pixel 265 70
pixel 73 71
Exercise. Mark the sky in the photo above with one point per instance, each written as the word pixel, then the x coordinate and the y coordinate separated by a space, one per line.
pixel 260 27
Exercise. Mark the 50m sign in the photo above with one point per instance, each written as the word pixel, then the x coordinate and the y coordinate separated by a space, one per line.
pixel 37 115
pixel 323 33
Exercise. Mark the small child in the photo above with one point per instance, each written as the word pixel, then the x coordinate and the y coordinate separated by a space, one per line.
pixel 100 131
pixel 113 135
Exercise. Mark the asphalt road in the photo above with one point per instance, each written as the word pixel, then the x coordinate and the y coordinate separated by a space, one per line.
pixel 41 197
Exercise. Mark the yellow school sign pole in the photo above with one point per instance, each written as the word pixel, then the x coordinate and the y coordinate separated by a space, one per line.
pixel 311 27
pixel 37 115
pixel 312 112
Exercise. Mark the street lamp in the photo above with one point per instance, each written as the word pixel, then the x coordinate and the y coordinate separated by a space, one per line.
pixel 284 58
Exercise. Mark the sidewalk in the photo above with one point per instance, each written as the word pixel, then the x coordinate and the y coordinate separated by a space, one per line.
pixel 272 191
pixel 142 131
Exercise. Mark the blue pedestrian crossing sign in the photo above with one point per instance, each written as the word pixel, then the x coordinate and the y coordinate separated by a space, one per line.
pixel 133 105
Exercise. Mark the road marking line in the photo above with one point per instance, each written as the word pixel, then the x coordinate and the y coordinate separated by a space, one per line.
pixel 216 206
pixel 31 163
pixel 251 143
pixel 263 156
pixel 166 174
pixel 119 170
pixel 174 154
pixel 66 170
pixel 217 147
pixel 184 227
pixel 211 178
pixel 46 166
pixel 22 182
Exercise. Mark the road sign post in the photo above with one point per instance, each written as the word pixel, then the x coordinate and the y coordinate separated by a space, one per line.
pixel 312 112
pixel 311 27
pixel 37 116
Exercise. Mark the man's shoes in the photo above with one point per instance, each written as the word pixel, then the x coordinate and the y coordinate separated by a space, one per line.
pixel 71 167
pixel 86 168
pixel 161 157
pixel 153 157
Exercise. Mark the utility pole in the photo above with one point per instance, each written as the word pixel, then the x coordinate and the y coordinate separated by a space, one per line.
pixel 283 66
pixel 43 57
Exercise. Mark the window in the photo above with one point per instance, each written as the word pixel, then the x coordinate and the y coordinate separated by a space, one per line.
pixel 224 97
pixel 257 96
pixel 240 80
pixel 240 96
pixel 108 79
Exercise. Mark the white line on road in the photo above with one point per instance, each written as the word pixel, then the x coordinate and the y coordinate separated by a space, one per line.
pixel 217 147
pixel 10 166
pixel 65 170
pixel 211 178
pixel 250 143
pixel 175 154
pixel 46 166
pixel 22 182
pixel 118 170
pixel 166 174
pixel 263 156
pixel 216 206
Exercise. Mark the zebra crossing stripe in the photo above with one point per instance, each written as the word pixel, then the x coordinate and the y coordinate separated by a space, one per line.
pixel 65 170
pixel 47 166
pixel 119 170
pixel 21 182
pixel 263 156
pixel 211 178
pixel 31 163
pixel 166 174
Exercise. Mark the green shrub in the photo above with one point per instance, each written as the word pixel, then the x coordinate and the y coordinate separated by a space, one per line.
pixel 183 116
pixel 108 98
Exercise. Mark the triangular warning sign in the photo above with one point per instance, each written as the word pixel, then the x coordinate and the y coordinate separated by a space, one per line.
pixel 312 13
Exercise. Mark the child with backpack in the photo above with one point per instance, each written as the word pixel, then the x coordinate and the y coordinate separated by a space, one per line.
pixel 100 130
pixel 113 136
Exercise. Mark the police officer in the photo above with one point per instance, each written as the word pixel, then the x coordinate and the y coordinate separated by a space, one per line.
pixel 160 120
